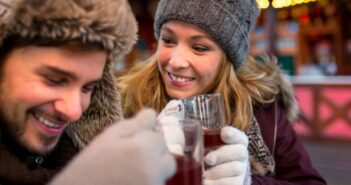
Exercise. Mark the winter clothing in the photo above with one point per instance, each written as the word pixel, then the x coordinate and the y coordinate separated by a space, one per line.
pixel 228 21
pixel 18 166
pixel 108 22
pixel 277 156
pixel 170 121
pixel 231 158
pixel 293 166
pixel 136 155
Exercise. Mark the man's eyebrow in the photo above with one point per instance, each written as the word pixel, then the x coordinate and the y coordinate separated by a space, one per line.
pixel 59 71
pixel 68 74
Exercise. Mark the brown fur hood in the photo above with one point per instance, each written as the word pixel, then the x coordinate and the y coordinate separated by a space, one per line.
pixel 109 22
pixel 286 95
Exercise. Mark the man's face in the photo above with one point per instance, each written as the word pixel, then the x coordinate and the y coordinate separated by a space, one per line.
pixel 43 89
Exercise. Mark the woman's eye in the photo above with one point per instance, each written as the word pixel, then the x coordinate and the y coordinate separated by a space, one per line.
pixel 200 48
pixel 166 40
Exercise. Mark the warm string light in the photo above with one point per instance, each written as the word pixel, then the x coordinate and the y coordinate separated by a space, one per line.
pixel 263 4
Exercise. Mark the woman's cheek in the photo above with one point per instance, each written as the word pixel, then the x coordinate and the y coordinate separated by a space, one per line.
pixel 162 56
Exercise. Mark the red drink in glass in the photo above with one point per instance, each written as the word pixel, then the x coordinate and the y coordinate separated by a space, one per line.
pixel 212 139
pixel 189 172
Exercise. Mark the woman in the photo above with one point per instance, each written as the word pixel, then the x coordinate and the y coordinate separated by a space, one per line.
pixel 202 48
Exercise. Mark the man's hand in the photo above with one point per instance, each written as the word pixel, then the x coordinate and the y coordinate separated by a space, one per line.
pixel 230 163
pixel 128 153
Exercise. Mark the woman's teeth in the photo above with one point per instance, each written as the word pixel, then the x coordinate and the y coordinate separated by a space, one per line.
pixel 180 79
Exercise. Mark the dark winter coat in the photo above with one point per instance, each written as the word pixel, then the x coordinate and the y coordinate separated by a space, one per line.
pixel 292 163
pixel 20 167
pixel 277 156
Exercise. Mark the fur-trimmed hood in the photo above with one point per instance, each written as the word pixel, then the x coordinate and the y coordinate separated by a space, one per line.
pixel 109 22
pixel 286 95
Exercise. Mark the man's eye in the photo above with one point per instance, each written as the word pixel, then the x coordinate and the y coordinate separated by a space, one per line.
pixel 54 80
pixel 88 89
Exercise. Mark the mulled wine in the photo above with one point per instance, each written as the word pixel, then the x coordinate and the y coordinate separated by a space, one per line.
pixel 212 139
pixel 189 172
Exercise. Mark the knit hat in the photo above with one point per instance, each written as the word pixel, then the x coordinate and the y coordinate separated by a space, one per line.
pixel 227 21
pixel 108 22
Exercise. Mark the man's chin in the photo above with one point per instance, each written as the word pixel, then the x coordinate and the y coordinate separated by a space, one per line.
pixel 42 147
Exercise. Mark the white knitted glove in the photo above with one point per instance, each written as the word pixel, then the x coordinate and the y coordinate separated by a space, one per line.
pixel 129 153
pixel 170 121
pixel 230 163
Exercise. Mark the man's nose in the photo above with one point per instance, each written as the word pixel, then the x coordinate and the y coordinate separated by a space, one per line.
pixel 70 105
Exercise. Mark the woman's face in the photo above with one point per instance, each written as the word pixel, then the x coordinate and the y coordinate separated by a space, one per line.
pixel 188 59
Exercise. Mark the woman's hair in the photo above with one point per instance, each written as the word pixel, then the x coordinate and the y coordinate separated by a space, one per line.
pixel 142 87
pixel 253 84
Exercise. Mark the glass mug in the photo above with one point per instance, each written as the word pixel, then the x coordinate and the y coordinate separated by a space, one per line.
pixel 189 162
pixel 210 110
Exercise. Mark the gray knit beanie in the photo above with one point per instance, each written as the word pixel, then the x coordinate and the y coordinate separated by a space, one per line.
pixel 228 21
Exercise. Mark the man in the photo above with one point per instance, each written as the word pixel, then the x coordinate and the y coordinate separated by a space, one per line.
pixel 57 93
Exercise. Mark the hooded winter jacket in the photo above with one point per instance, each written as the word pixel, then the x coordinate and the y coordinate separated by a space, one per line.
pixel 291 163
pixel 108 22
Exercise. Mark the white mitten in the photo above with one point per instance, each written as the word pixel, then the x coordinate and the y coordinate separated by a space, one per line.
pixel 170 122
pixel 230 163
pixel 130 152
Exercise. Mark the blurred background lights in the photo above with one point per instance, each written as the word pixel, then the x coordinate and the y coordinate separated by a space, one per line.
pixel 263 4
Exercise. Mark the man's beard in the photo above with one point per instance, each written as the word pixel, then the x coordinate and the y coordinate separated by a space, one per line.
pixel 8 133
pixel 13 125
pixel 15 133
pixel 6 126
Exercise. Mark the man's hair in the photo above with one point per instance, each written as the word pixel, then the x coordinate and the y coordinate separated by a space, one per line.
pixel 13 42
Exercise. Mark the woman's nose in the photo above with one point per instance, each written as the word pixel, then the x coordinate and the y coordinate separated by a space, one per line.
pixel 179 58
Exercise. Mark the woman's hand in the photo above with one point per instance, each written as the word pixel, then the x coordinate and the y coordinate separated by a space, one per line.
pixel 169 121
pixel 230 163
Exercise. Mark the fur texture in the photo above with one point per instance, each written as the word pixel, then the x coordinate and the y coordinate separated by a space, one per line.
pixel 287 95
pixel 261 159
pixel 286 91
pixel 109 22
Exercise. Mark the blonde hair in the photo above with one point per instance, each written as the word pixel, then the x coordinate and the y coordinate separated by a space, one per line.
pixel 253 84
